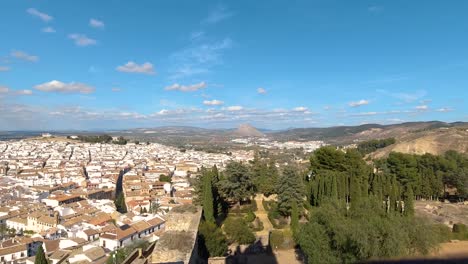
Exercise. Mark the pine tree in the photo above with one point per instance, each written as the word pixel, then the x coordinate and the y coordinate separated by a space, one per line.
pixel 290 190
pixel 40 256
pixel 237 184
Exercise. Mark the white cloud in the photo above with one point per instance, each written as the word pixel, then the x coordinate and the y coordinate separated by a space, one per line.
pixel 116 89
pixel 365 114
pixel 261 90
pixel 300 109
pixel 186 88
pixel 24 92
pixel 358 103
pixel 24 56
pixel 48 30
pixel 213 102
pixel 4 89
pixel 198 59
pixel 445 109
pixel 82 40
pixel 163 112
pixel 43 16
pixel 219 14
pixel 234 108
pixel 96 23
pixel 4 68
pixel 407 97
pixel 60 87
pixel 422 107
pixel 132 67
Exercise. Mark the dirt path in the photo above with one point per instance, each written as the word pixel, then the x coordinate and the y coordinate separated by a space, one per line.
pixel 262 214
pixel 453 249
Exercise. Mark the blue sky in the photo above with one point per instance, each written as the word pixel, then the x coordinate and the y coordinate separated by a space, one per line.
pixel 275 64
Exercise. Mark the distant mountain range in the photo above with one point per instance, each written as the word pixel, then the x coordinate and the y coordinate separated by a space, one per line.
pixel 412 137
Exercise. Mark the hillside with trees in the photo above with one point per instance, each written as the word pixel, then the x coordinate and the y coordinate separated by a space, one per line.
pixel 338 210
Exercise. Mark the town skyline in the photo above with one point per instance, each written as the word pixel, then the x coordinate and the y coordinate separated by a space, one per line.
pixel 221 64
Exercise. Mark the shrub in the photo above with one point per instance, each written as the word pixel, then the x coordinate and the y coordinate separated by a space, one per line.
pixel 237 231
pixel 459 228
pixel 250 217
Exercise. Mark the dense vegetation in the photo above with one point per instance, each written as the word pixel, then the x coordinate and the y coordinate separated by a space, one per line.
pixel 342 210
pixel 337 235
pixel 367 147
pixel 102 139
pixel 427 174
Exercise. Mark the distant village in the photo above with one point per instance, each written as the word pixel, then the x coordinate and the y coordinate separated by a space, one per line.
pixel 59 194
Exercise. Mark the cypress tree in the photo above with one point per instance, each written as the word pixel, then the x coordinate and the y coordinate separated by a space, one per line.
pixel 208 210
pixel 409 205
pixel 120 203
pixel 334 187
pixel 355 191
pixel 40 256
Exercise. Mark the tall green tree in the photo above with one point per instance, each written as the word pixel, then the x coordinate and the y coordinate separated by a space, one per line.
pixel 290 190
pixel 408 202
pixel 40 256
pixel 208 210
pixel 294 218
pixel 213 240
pixel 237 184
pixel 120 203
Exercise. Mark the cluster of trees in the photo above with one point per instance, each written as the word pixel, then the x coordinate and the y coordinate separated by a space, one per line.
pixel 212 241
pixel 367 147
pixel 237 184
pixel 103 139
pixel 428 175
pixel 335 234
pixel 355 204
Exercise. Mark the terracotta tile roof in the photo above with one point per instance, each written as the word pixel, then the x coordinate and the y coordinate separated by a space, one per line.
pixel 141 226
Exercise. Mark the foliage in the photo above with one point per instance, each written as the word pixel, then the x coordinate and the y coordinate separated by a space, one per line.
pixel 367 147
pixel 264 175
pixel 40 256
pixel 335 234
pixel 119 255
pixel 165 178
pixel 294 219
pixel 95 139
pixel 459 228
pixel 102 139
pixel 202 196
pixel 237 184
pixel 120 203
pixel 208 210
pixel 212 240
pixel 237 230
pixel 428 174
pixel 250 217
pixel 290 190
